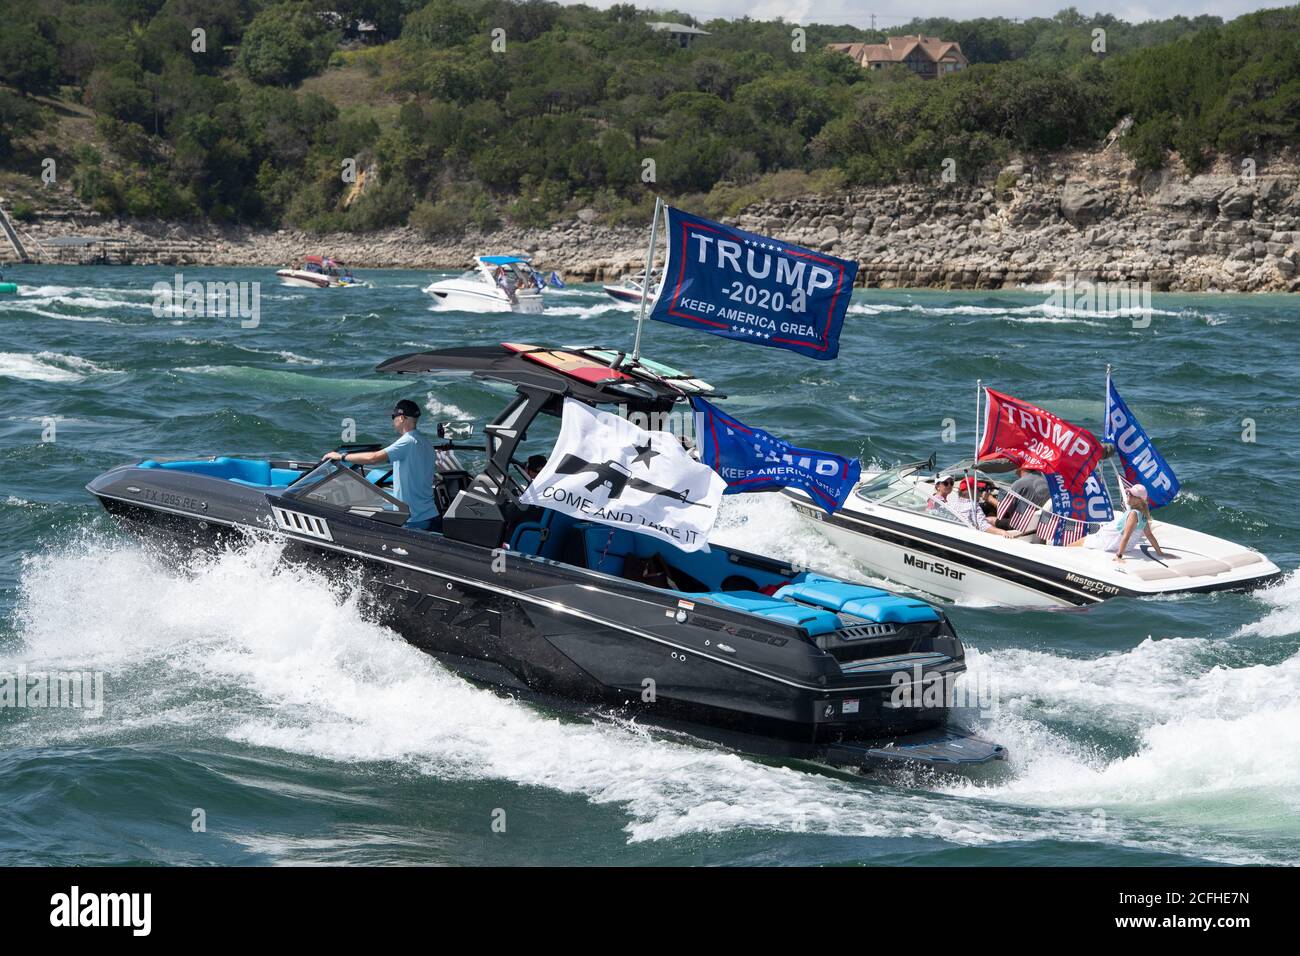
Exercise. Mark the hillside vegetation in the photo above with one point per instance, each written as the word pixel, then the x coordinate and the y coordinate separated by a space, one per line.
pixel 254 119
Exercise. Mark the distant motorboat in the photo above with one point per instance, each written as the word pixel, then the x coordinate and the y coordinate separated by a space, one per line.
pixel 318 272
pixel 496 284
pixel 631 288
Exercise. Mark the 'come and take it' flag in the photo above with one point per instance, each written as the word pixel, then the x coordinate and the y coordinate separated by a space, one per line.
pixel 609 470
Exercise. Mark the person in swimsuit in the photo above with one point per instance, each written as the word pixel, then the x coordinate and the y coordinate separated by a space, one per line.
pixel 1116 536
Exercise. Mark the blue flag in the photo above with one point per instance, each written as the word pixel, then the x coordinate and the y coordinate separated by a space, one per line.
pixel 1142 463
pixel 750 288
pixel 1091 507
pixel 750 459
pixel 556 281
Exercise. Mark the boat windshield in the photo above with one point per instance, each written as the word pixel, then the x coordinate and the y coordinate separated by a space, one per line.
pixel 904 489
pixel 894 489
pixel 519 273
pixel 337 486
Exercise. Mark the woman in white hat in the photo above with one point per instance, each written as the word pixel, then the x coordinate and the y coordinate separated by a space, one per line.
pixel 1115 536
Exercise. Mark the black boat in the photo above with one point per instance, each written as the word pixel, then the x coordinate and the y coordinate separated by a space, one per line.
pixel 743 649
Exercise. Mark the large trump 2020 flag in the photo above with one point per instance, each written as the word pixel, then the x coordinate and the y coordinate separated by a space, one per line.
pixel 1037 439
pixel 609 470
pixel 751 288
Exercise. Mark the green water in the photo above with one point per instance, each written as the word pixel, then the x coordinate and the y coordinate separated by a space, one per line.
pixel 1140 731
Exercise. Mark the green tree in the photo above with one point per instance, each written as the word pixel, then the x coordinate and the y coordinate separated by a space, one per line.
pixel 285 44
pixel 28 61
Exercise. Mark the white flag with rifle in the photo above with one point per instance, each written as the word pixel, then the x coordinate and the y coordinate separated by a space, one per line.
pixel 606 469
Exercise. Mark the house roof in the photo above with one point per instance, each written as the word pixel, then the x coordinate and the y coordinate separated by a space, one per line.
pixel 663 25
pixel 897 49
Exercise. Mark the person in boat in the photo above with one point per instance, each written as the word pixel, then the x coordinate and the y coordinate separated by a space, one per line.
pixel 506 283
pixel 1031 493
pixel 533 465
pixel 414 465
pixel 1116 536
pixel 974 510
pixel 942 489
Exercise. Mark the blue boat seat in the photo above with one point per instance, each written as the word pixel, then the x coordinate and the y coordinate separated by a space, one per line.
pixel 607 547
pixel 892 609
pixel 828 593
pixel 814 620
pixel 251 472
pixel 543 537
pixel 860 600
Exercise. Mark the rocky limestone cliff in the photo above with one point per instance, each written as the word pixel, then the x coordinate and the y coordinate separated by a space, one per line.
pixel 1212 231
pixel 1087 216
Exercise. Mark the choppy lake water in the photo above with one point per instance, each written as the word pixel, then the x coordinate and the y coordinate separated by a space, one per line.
pixel 1140 731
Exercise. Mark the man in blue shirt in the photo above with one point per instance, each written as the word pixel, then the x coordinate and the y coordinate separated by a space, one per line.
pixel 414 465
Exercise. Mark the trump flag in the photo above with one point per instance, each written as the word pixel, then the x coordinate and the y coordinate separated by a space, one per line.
pixel 750 288
pixel 1090 506
pixel 1142 463
pixel 1037 439
pixel 749 459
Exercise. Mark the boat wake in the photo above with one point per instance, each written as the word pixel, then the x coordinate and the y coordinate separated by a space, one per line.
pixel 1183 738
pixel 239 649
pixel 1041 312
pixel 48 367
pixel 1284 619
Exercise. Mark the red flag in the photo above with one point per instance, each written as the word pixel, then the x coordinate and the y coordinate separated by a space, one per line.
pixel 1037 439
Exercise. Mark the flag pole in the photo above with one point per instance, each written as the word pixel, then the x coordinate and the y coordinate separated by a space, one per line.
pixel 1105 411
pixel 974 461
pixel 645 285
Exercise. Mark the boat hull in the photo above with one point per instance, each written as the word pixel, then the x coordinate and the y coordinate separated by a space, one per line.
pixel 623 295
pixel 541 627
pixel 958 566
pixel 456 299
pixel 302 280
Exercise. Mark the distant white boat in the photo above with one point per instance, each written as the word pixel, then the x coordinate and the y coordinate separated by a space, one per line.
pixel 631 288
pixel 318 272
pixel 496 284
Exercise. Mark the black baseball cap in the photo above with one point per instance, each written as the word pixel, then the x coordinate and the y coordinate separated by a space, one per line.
pixel 406 407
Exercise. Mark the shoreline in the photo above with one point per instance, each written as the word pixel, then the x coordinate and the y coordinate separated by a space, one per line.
pixel 1082 218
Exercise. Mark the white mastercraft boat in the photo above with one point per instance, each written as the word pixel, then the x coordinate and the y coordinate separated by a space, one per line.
pixel 886 525
pixel 318 272
pixel 631 288
pixel 496 284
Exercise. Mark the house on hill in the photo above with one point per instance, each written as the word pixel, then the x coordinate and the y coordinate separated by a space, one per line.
pixel 927 57
pixel 680 33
